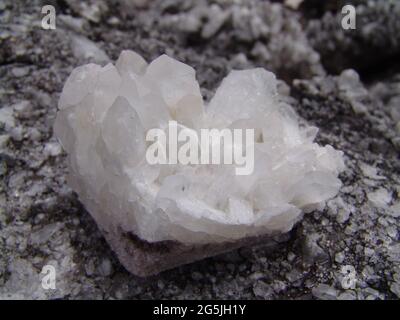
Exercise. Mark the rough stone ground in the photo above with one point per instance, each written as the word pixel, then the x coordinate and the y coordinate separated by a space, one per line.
pixel 41 221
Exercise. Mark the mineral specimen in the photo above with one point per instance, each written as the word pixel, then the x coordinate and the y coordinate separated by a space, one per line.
pixel 159 216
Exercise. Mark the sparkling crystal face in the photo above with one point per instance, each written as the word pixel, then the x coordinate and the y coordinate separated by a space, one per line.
pixel 105 113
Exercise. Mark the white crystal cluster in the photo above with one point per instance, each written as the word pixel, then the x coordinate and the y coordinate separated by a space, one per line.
pixel 105 112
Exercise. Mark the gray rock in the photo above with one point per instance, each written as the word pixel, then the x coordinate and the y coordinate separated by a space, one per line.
pixel 312 251
pixel 86 50
pixel 395 288
pixel 44 234
pixel 347 295
pixel 105 267
pixel 262 290
pixel 7 118
pixel 325 292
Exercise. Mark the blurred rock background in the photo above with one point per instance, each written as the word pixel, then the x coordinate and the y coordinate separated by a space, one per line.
pixel 347 82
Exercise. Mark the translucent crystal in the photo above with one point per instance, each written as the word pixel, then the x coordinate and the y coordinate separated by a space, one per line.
pixel 105 113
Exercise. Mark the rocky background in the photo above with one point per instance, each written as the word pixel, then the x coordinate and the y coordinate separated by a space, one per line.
pixel 345 82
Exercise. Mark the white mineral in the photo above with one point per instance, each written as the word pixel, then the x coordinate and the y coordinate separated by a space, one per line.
pixel 105 113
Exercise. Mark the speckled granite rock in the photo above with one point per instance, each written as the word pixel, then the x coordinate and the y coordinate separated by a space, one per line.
pixel 374 43
pixel 41 221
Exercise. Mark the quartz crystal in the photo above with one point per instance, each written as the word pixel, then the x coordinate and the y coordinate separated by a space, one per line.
pixel 105 112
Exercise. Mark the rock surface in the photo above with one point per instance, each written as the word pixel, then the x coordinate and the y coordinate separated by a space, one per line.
pixel 42 222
